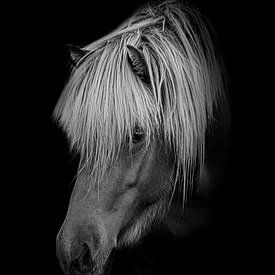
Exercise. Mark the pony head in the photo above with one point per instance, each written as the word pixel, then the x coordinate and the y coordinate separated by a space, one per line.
pixel 136 109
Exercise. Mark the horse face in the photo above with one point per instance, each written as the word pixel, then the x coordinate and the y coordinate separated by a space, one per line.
pixel 131 197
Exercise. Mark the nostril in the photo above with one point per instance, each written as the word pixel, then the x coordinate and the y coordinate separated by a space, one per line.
pixel 81 258
pixel 86 256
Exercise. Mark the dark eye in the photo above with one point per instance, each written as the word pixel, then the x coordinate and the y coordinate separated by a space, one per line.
pixel 131 185
pixel 138 135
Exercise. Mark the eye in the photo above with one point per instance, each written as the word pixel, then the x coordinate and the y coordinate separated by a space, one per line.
pixel 131 185
pixel 138 135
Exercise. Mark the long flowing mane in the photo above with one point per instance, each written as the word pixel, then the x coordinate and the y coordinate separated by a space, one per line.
pixel 104 100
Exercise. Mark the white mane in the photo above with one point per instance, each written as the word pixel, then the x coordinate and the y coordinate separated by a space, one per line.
pixel 104 100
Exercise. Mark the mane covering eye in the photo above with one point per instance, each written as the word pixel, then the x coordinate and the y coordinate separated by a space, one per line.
pixel 138 135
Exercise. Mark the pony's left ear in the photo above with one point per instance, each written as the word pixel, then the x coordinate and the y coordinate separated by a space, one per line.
pixel 137 63
pixel 75 54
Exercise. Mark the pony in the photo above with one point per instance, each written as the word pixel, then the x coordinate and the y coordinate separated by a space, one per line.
pixel 139 108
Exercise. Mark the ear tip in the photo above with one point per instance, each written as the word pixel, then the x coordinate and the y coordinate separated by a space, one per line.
pixel 71 48
pixel 75 53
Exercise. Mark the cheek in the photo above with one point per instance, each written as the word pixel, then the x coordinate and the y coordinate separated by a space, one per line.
pixel 122 211
pixel 128 199
pixel 118 210
pixel 156 178
pixel 119 201
pixel 149 171
pixel 150 187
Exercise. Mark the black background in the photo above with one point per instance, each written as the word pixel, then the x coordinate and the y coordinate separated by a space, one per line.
pixel 44 171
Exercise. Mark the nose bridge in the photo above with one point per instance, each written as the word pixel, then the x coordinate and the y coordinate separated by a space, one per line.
pixel 80 224
pixel 86 233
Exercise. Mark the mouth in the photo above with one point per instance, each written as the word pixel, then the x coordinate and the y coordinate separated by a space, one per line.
pixel 106 267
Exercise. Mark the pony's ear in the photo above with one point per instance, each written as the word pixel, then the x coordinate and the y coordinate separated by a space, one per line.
pixel 75 54
pixel 137 63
